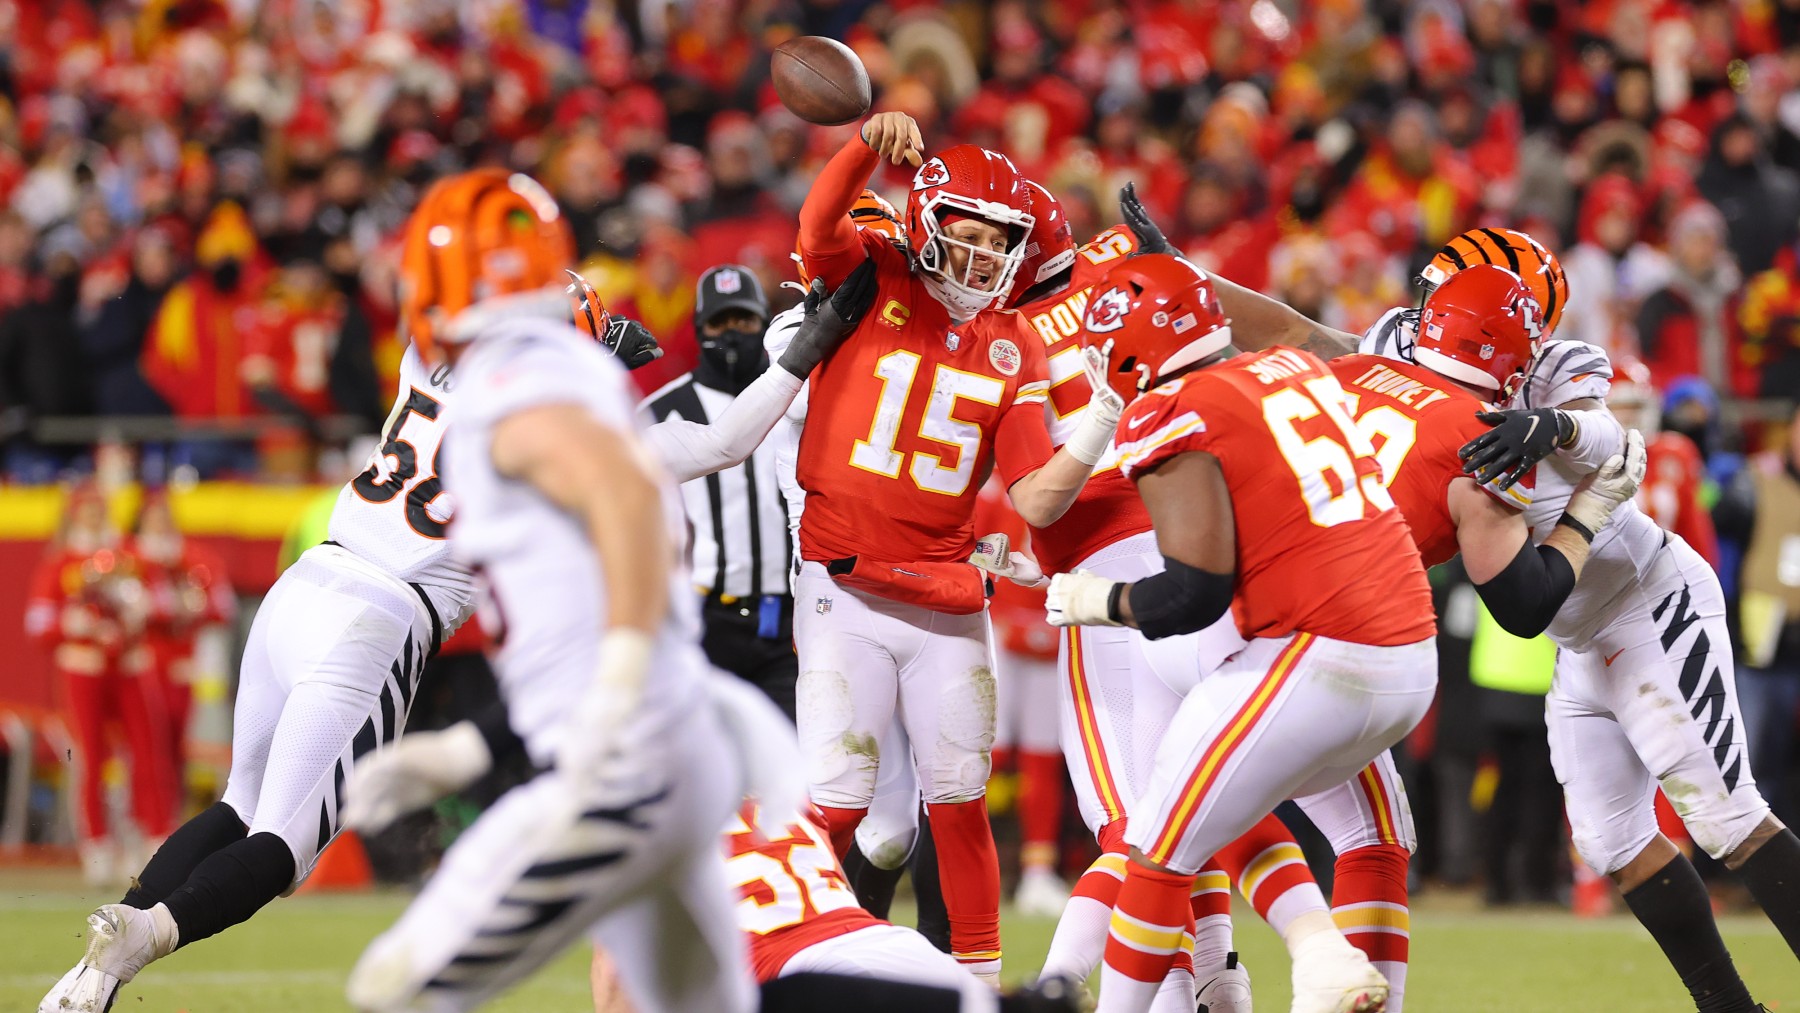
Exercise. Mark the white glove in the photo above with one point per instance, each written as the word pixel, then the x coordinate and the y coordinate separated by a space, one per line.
pixel 1094 433
pixel 596 747
pixel 993 553
pixel 412 773
pixel 1080 599
pixel 1600 493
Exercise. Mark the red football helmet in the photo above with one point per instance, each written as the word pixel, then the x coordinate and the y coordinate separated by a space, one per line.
pixel 1052 246
pixel 1634 397
pixel 1150 316
pixel 1481 327
pixel 967 181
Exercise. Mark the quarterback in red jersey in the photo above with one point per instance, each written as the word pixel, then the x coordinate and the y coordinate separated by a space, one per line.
pixel 1268 502
pixel 905 421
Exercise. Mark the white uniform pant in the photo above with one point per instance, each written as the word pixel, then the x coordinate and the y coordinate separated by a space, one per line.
pixel 329 673
pixel 866 661
pixel 1029 705
pixel 890 828
pixel 1117 691
pixel 893 953
pixel 1653 698
pixel 642 875
pixel 1287 717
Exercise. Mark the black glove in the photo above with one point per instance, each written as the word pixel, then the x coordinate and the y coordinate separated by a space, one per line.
pixel 1149 236
pixel 829 319
pixel 1518 441
pixel 631 341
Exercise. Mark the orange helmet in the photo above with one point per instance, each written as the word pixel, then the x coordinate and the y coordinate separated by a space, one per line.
pixel 1150 316
pixel 1051 249
pixel 1481 327
pixel 1515 251
pixel 475 236
pixel 871 211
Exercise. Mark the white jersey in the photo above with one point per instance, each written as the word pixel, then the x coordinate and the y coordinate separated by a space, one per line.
pixel 1623 550
pixel 546 590
pixel 396 512
pixel 786 434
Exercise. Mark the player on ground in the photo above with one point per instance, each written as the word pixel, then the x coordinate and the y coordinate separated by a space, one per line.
pixel 908 418
pixel 1645 689
pixel 1315 564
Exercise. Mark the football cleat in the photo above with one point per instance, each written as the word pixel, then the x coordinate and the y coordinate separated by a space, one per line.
pixel 1226 990
pixel 1337 979
pixel 1041 894
pixel 121 940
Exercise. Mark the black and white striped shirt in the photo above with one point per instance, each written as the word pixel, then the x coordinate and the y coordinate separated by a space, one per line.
pixel 740 544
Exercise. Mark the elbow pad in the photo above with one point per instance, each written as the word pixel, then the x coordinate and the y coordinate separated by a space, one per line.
pixel 1181 599
pixel 1525 597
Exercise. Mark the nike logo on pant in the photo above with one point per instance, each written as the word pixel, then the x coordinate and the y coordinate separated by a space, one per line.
pixel 1609 659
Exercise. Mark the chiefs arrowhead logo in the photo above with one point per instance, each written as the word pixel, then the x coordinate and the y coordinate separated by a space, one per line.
pixel 932 173
pixel 1107 311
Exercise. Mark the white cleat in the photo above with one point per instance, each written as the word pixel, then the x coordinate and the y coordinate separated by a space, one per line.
pixel 1226 990
pixel 1337 979
pixel 1041 894
pixel 121 940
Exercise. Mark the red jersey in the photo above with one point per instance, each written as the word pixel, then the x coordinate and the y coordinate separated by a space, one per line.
pixel 185 595
pixel 1670 494
pixel 791 891
pixel 907 418
pixel 1417 421
pixel 1320 547
pixel 86 609
pixel 1107 509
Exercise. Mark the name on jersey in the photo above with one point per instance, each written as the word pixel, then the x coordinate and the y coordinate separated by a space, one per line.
pixel 1279 365
pixel 1399 386
pixel 1062 320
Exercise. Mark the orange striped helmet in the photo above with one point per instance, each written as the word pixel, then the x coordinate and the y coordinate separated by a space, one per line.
pixel 476 236
pixel 1515 251
pixel 871 211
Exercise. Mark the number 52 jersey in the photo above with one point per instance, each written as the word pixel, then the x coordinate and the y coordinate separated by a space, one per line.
pixel 1320 547
pixel 396 512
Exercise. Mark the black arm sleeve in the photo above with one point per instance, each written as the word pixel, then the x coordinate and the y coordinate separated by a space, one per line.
pixel 503 743
pixel 1525 596
pixel 1181 599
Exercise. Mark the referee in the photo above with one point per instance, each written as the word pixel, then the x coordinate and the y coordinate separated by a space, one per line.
pixel 741 549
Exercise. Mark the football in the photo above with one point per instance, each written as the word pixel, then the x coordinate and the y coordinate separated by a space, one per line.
pixel 820 80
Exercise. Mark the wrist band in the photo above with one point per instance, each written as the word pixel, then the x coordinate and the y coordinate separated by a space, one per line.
pixel 1580 528
pixel 1112 602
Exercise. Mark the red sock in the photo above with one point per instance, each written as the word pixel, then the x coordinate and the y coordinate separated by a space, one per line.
pixel 841 825
pixel 1102 879
pixel 969 869
pixel 1210 900
pixel 1369 905
pixel 1271 873
pixel 1145 938
pixel 1040 803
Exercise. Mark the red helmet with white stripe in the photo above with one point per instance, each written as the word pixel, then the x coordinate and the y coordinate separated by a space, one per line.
pixel 1051 249
pixel 1480 327
pixel 1150 316
pixel 967 181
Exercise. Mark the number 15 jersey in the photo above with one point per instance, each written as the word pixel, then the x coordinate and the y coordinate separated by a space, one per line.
pixel 396 512
pixel 906 419
pixel 1320 547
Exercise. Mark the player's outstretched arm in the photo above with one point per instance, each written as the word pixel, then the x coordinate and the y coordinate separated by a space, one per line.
pixel 1190 507
pixel 828 241
pixel 1583 431
pixel 1259 322
pixel 691 450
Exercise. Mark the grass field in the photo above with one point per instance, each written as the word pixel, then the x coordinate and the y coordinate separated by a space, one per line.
pixel 293 957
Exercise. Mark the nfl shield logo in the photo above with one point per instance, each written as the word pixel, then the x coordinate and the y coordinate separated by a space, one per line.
pixel 822 606
pixel 728 282
pixel 1487 351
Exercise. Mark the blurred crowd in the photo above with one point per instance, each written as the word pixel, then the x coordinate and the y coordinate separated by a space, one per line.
pixel 199 199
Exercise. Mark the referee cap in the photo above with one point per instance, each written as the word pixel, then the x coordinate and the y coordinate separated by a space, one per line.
pixel 728 287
